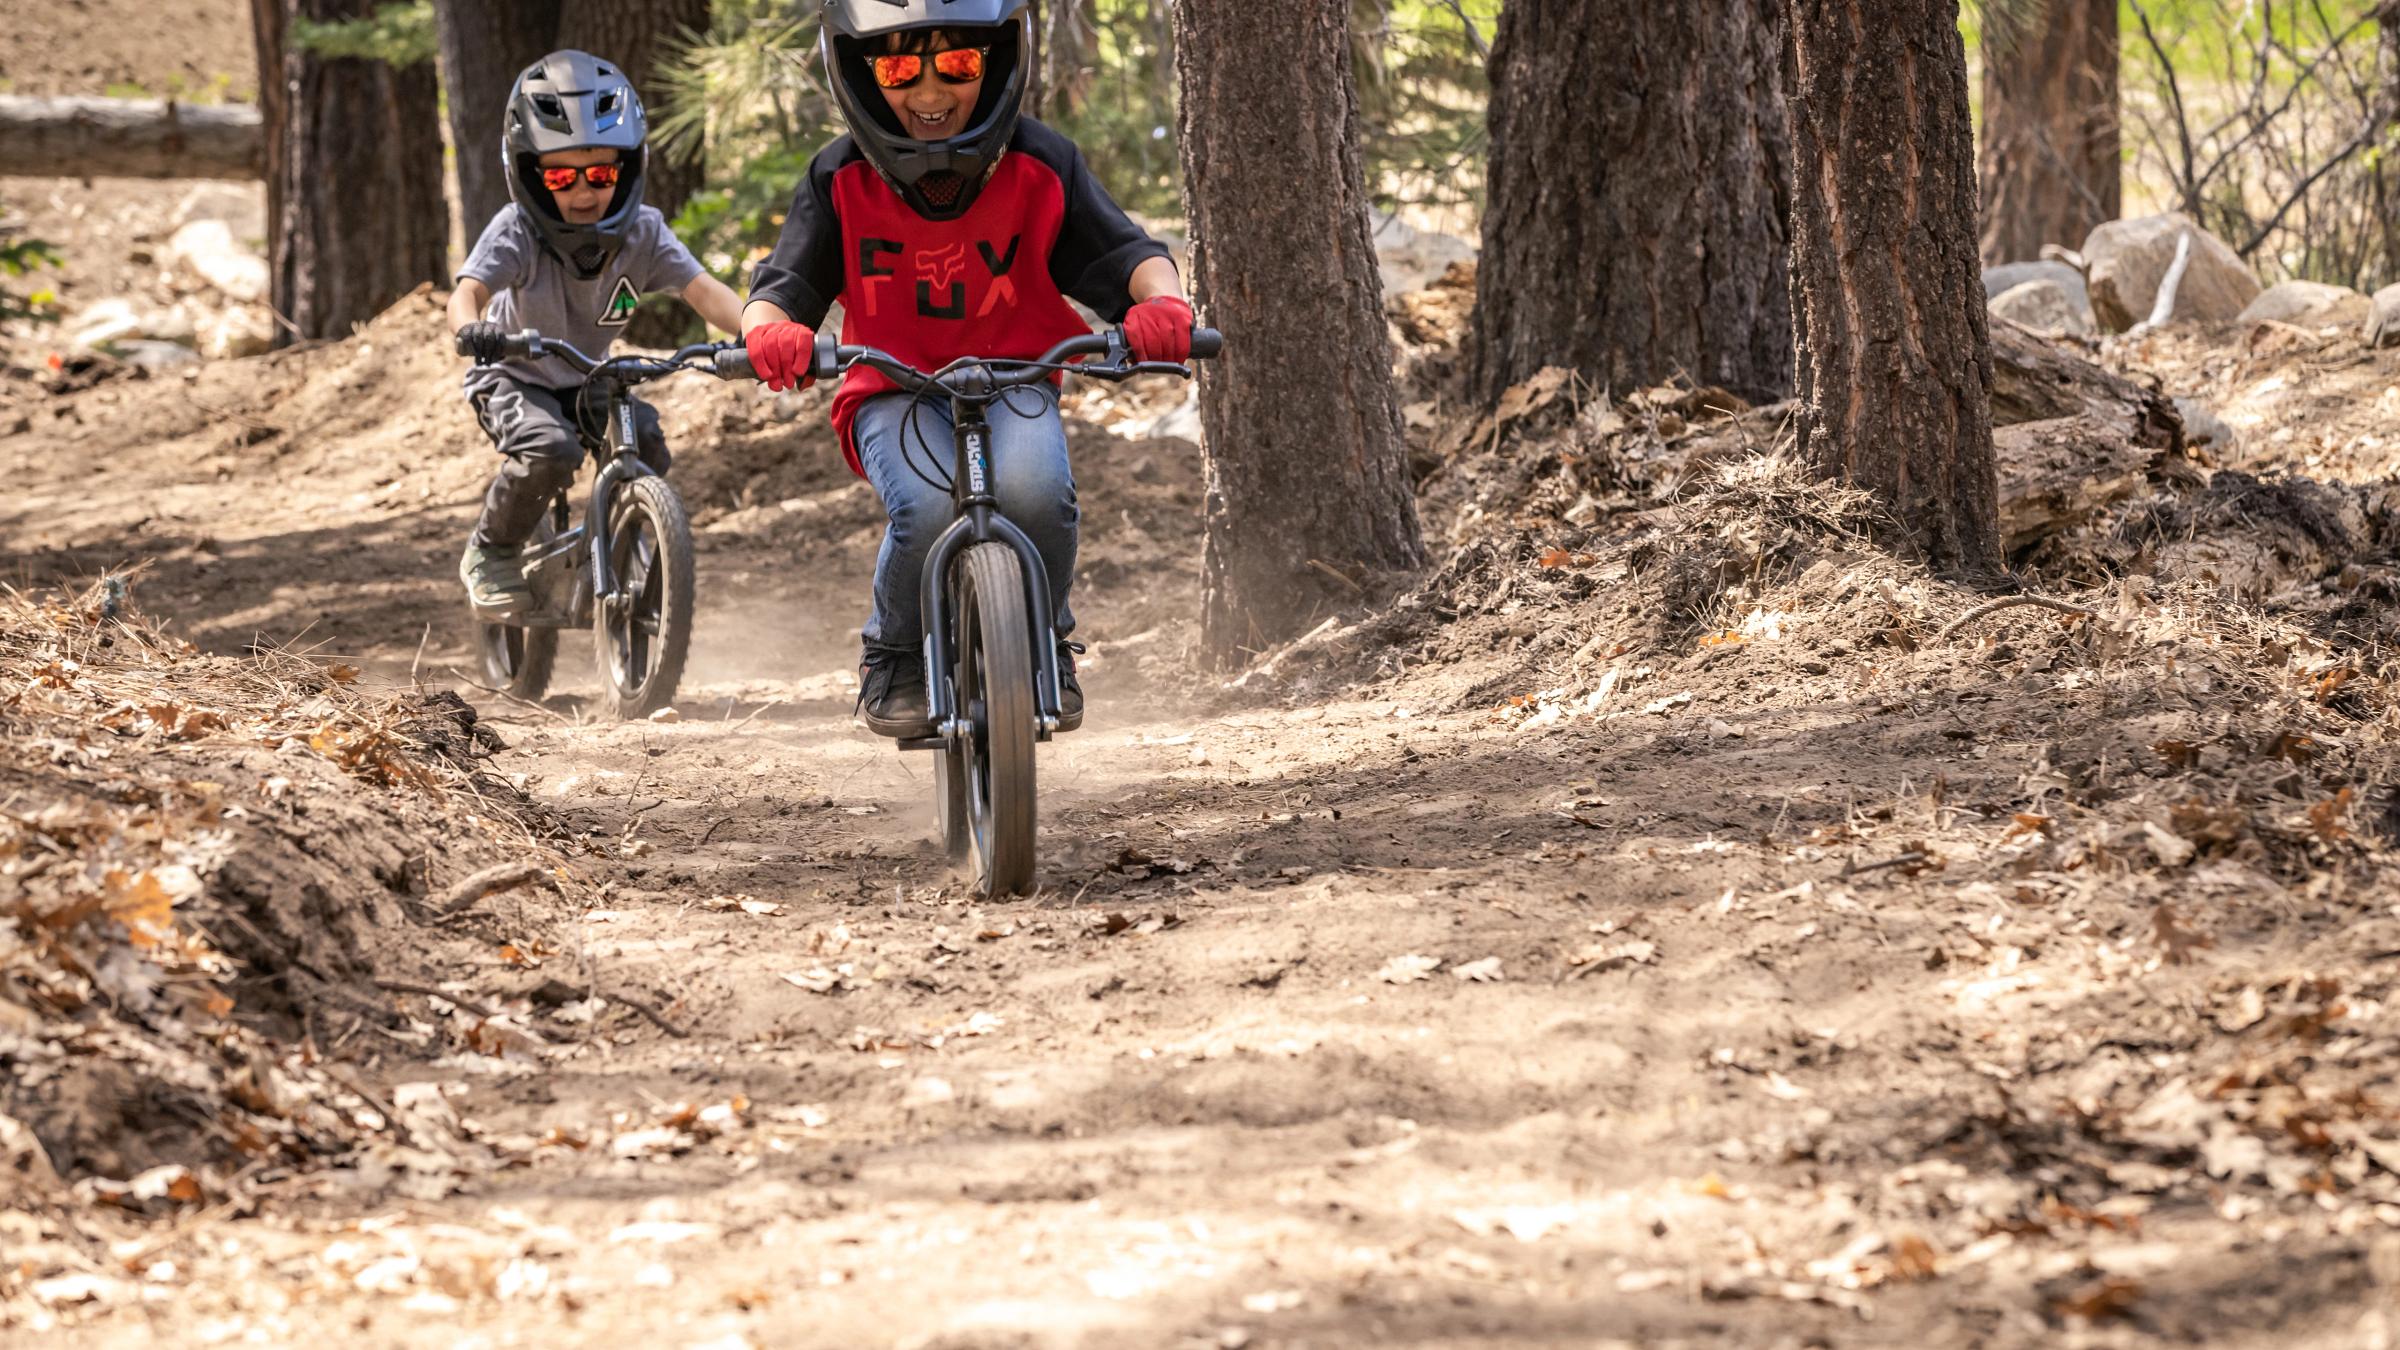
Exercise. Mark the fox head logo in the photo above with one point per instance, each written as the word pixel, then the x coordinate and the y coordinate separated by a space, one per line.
pixel 941 266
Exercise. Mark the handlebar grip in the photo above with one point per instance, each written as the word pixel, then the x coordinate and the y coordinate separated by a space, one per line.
pixel 512 345
pixel 828 360
pixel 733 363
pixel 1206 343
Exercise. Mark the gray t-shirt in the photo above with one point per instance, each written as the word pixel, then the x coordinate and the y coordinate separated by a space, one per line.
pixel 535 288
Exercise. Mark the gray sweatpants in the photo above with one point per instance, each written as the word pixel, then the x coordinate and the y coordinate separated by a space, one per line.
pixel 535 429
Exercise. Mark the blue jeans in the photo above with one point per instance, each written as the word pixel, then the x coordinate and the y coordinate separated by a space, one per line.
pixel 1030 478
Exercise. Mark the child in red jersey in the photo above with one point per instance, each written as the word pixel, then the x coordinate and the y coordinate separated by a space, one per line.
pixel 950 226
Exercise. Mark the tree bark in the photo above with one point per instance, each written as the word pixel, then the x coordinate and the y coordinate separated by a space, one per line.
pixel 266 39
pixel 640 36
pixel 2386 174
pixel 357 216
pixel 485 44
pixel 1639 187
pixel 1894 354
pixel 1066 46
pixel 128 138
pixel 1308 493
pixel 2050 166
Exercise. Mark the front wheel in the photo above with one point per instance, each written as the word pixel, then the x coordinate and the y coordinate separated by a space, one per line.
pixel 993 685
pixel 643 633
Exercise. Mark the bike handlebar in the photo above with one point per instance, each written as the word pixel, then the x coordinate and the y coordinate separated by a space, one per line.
pixel 726 361
pixel 980 375
pixel 730 361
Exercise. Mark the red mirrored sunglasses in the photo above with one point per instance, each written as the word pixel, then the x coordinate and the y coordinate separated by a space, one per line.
pixel 959 65
pixel 598 175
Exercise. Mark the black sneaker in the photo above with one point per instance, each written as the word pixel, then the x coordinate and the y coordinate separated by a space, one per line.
pixel 1070 691
pixel 891 694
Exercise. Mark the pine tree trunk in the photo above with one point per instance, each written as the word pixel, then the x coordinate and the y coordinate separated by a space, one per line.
pixel 1308 492
pixel 2387 174
pixel 266 37
pixel 1636 220
pixel 641 36
pixel 359 218
pixel 1894 358
pixel 1066 44
pixel 2050 166
pixel 485 44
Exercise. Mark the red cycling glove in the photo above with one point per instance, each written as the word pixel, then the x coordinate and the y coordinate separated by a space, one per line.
pixel 1160 329
pixel 782 354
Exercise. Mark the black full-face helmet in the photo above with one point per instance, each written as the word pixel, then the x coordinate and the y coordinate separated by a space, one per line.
pixel 575 101
pixel 938 179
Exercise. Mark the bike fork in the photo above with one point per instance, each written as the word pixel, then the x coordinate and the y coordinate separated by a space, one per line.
pixel 980 522
pixel 624 462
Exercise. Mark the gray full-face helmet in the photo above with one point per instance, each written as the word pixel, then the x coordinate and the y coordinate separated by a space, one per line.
pixel 938 179
pixel 573 100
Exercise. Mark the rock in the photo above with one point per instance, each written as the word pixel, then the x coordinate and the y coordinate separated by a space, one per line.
pixel 2007 277
pixel 243 208
pixel 150 354
pixel 2383 318
pixel 119 320
pixel 1411 258
pixel 208 250
pixel 1180 422
pixel 2202 426
pixel 2044 307
pixel 2129 258
pixel 2308 304
pixel 245 330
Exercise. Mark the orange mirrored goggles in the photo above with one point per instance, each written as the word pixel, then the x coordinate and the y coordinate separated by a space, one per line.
pixel 959 65
pixel 598 175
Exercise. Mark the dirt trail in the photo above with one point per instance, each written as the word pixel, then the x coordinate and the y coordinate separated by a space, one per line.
pixel 1814 992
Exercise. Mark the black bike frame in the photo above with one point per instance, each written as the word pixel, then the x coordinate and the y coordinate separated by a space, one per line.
pixel 972 387
pixel 624 463
pixel 980 522
pixel 621 464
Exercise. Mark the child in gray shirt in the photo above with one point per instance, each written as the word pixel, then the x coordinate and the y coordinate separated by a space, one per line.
pixel 570 257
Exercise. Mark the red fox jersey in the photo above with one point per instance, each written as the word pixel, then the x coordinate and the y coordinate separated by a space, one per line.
pixel 993 282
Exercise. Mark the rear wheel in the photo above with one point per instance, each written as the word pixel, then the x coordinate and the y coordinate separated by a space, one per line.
pixel 994 692
pixel 642 635
pixel 517 659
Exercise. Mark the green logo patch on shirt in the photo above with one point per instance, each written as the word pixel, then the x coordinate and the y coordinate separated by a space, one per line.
pixel 621 304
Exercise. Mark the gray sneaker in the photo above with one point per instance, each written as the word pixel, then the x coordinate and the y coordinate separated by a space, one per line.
pixel 495 580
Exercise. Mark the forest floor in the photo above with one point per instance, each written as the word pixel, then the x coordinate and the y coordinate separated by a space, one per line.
pixel 1654 928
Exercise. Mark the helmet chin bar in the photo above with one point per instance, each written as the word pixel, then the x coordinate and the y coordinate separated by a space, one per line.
pixel 939 180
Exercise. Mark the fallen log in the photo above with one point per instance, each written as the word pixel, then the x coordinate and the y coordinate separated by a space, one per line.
pixel 129 138
pixel 2070 439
